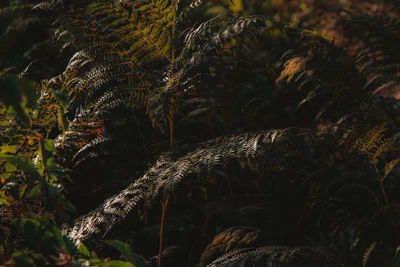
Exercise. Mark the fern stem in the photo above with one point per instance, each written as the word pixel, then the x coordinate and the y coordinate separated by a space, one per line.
pixel 171 126
pixel 171 111
pixel 383 192
pixel 164 206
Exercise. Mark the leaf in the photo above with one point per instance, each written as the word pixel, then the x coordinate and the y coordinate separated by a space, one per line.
pixel 3 198
pixel 62 121
pixel 84 251
pixel 389 166
pixel 236 5
pixel 8 149
pixel 20 258
pixel 39 232
pixel 42 233
pixel 116 264
pixel 68 244
pixel 9 168
pixel 24 165
pixel 48 145
pixel 126 252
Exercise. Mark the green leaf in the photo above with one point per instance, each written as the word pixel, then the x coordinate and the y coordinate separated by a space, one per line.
pixel 116 264
pixel 3 198
pixel 20 258
pixel 68 245
pixel 24 165
pixel 41 233
pixel 36 190
pixel 48 145
pixel 84 251
pixel 9 168
pixel 126 252
pixel 8 149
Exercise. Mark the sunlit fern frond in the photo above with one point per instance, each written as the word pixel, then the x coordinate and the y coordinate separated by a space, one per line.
pixel 166 175
pixel 374 143
pixel 207 45
pixel 274 256
pixel 143 37
pixel 101 78
pixel 273 151
pixel 367 254
pixel 49 4
pixel 186 8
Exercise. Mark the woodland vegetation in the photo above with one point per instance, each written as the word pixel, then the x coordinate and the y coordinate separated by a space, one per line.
pixel 199 133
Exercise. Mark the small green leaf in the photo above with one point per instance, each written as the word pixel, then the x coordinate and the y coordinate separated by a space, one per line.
pixel 67 244
pixel 84 251
pixel 10 167
pixel 36 190
pixel 126 252
pixel 3 198
pixel 48 145
pixel 62 121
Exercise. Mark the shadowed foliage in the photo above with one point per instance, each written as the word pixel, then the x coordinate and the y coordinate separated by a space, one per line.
pixel 209 133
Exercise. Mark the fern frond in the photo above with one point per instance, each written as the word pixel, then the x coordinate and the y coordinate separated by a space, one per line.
pixel 263 150
pixel 49 5
pixel 374 143
pixel 367 254
pixel 167 174
pixel 273 256
pixel 231 239
pixel 204 46
pixel 380 35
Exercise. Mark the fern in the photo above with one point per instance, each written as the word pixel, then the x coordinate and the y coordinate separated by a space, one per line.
pixel 273 256
pixel 266 150
pixel 156 183
pixel 374 143
pixel 231 239
pixel 171 64
pixel 367 254
pixel 204 46
pixel 378 57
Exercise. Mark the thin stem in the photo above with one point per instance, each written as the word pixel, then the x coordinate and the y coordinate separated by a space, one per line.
pixel 171 111
pixel 171 126
pixel 164 206
pixel 383 192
